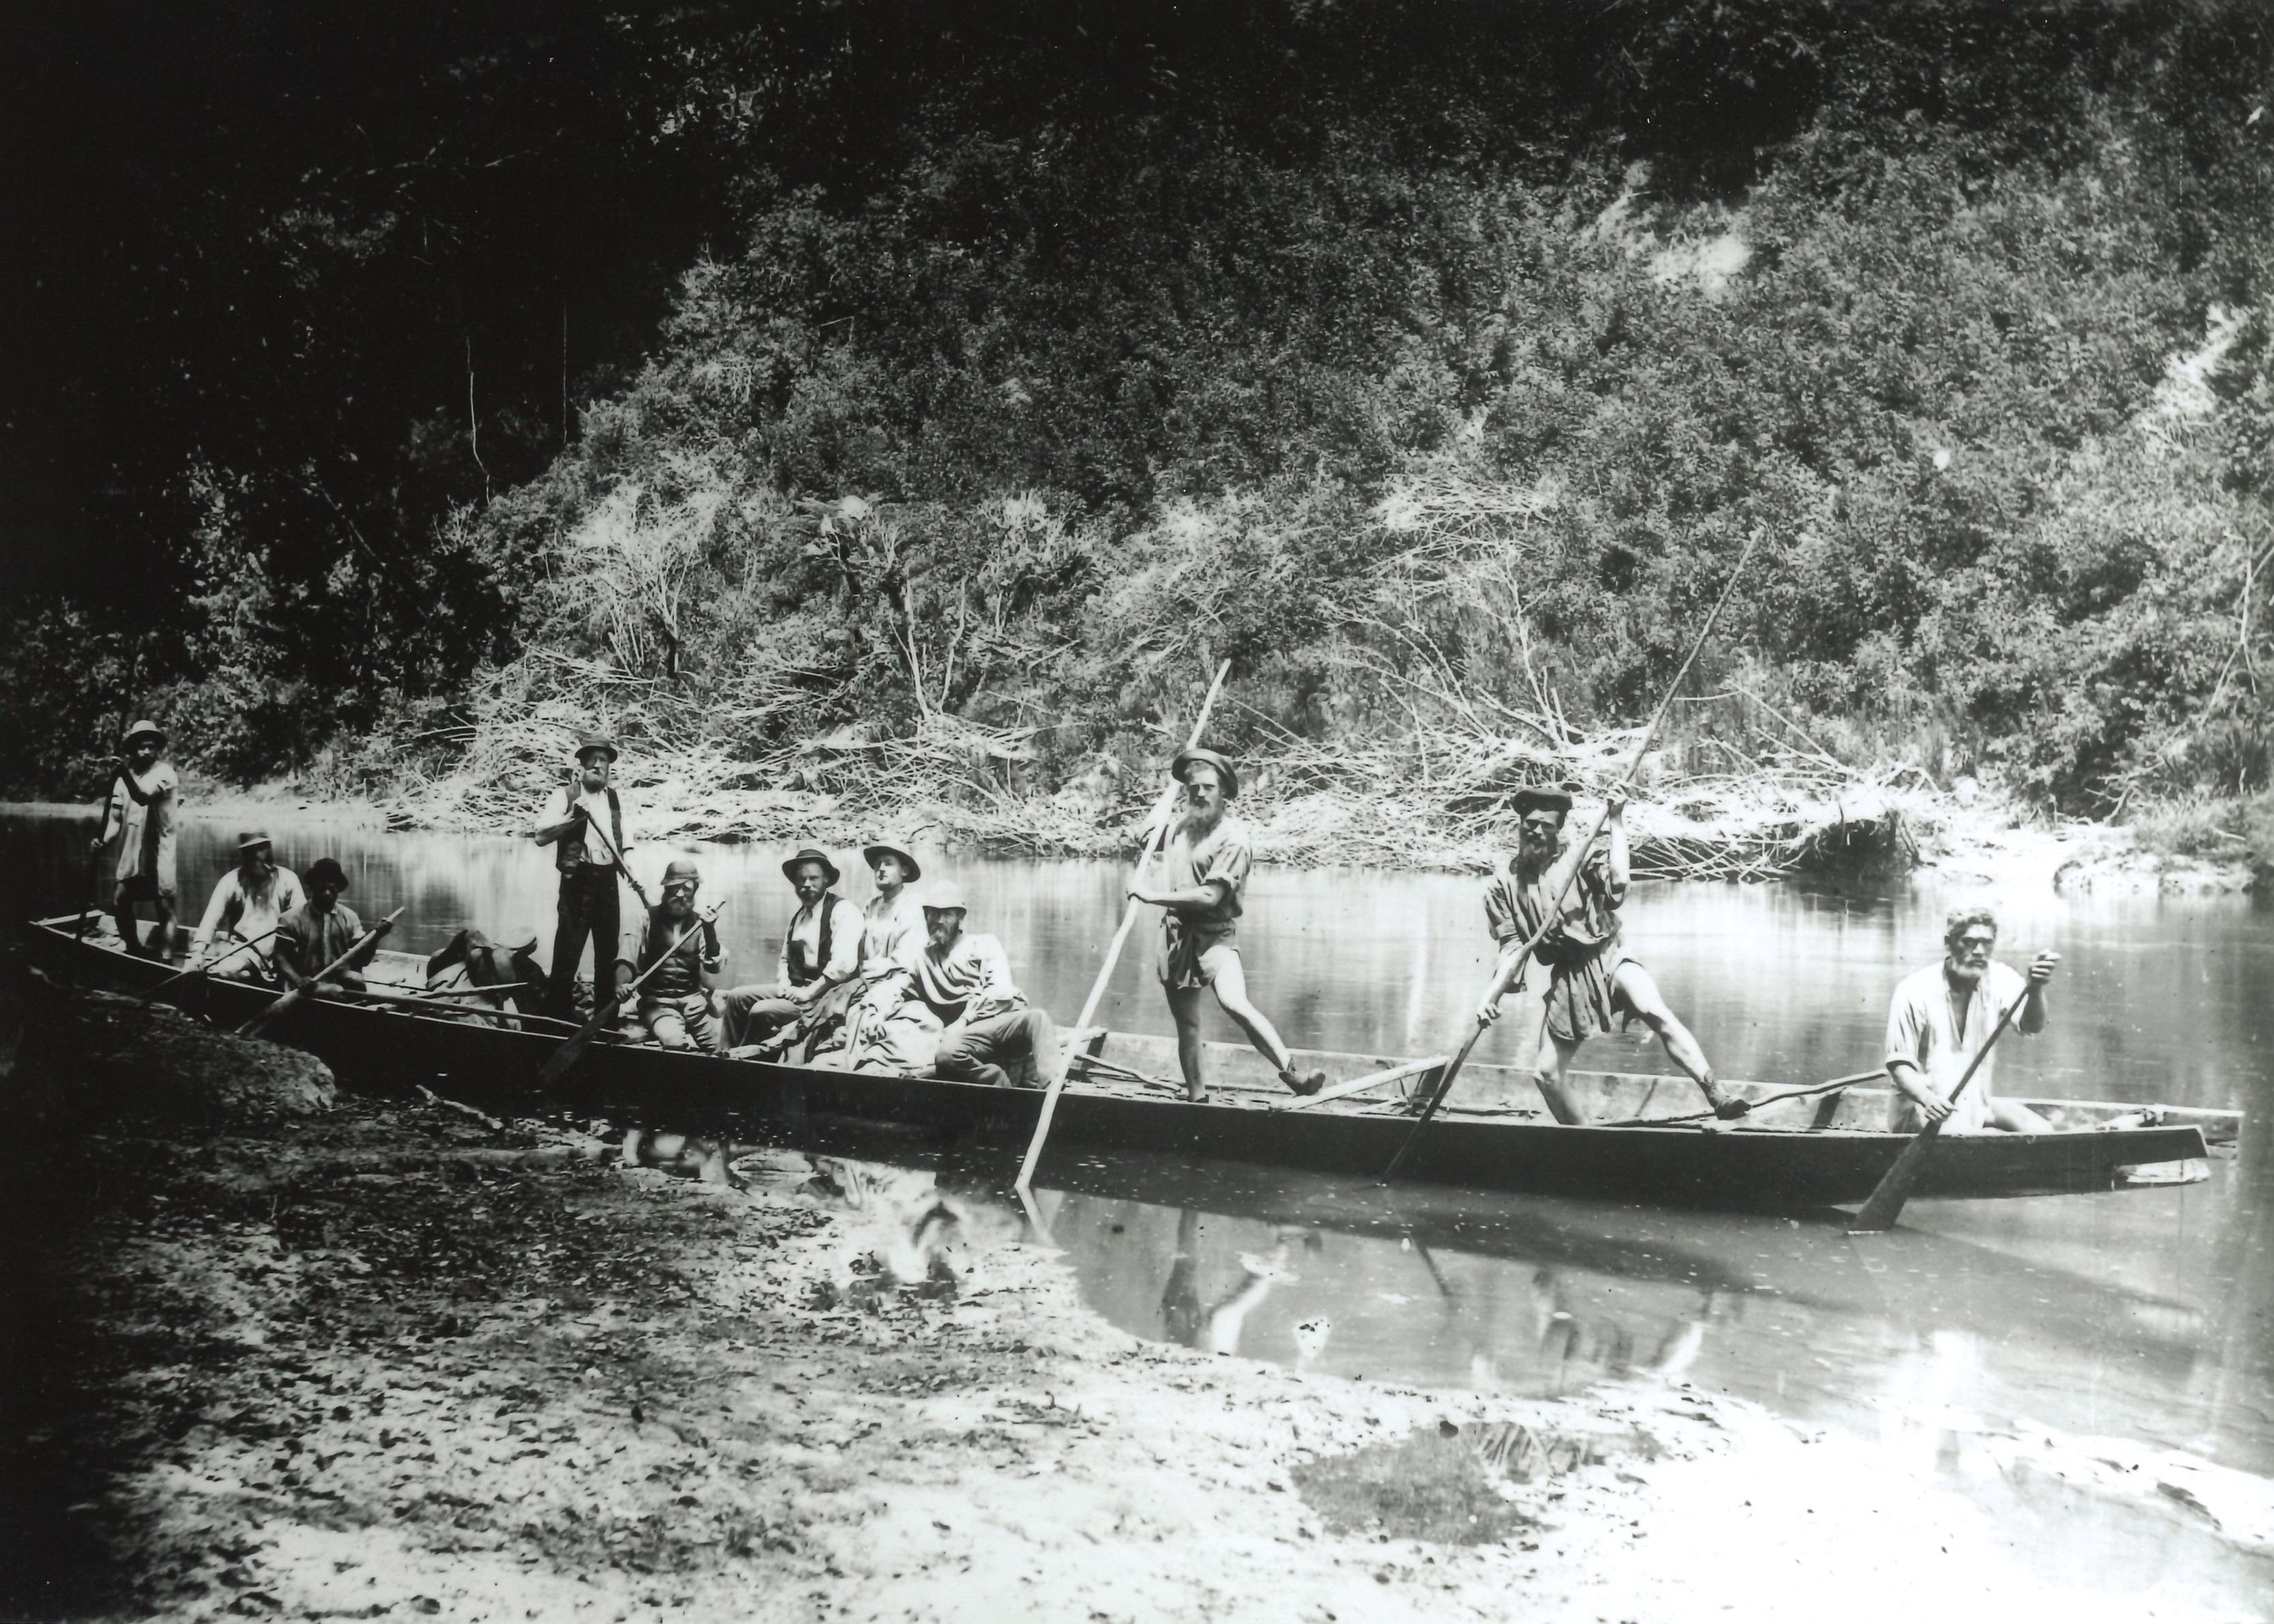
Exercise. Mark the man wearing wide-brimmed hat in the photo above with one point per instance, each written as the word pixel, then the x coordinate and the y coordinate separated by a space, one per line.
pixel 1582 978
pixel 141 811
pixel 587 835
pixel 1199 877
pixel 247 903
pixel 820 957
pixel 315 935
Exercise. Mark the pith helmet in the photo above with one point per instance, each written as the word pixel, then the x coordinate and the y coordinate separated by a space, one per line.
pixel 681 870
pixel 146 729
pixel 945 895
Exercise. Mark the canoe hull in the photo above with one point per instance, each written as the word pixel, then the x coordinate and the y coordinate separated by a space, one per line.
pixel 1752 1168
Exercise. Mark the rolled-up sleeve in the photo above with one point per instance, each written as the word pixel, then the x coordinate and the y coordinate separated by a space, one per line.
pixel 1907 1021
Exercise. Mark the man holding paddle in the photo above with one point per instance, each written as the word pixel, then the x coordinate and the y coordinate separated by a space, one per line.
pixel 248 902
pixel 1590 978
pixel 587 835
pixel 1197 877
pixel 313 938
pixel 671 959
pixel 1946 1015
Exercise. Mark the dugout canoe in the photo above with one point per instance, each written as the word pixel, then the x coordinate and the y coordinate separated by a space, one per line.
pixel 1813 1152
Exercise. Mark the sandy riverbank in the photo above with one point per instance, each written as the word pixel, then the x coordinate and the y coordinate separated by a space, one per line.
pixel 368 1366
pixel 1975 841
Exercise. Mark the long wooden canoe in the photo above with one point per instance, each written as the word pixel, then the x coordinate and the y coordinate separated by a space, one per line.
pixel 1813 1152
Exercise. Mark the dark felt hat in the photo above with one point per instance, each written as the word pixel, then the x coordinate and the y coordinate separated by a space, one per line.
pixel 325 870
pixel 592 742
pixel 1540 798
pixel 809 855
pixel 1226 773
pixel 908 866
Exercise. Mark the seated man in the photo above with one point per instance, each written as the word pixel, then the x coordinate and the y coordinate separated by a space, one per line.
pixel 248 902
pixel 1947 1013
pixel 311 937
pixel 674 1003
pixel 964 978
pixel 820 955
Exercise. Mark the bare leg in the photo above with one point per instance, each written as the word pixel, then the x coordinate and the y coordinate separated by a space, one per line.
pixel 1555 1059
pixel 1185 1009
pixel 1641 992
pixel 2015 1118
pixel 1231 985
pixel 1536 1051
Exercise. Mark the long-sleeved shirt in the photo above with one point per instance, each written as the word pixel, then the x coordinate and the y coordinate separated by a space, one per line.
pixel 248 910
pixel 655 935
pixel 1922 1029
pixel 971 979
pixel 845 928
pixel 143 824
pixel 892 934
pixel 309 941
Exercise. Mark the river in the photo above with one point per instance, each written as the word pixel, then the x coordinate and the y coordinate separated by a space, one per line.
pixel 2146 1317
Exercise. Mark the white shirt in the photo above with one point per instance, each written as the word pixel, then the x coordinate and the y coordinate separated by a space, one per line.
pixel 1923 1028
pixel 248 912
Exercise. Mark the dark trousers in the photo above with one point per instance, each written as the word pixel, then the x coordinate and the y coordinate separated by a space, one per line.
pixel 589 907
pixel 974 1054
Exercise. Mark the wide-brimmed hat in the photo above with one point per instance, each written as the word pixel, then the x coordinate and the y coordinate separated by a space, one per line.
pixel 908 865
pixel 790 868
pixel 681 869
pixel 248 839
pixel 325 870
pixel 1226 774
pixel 1541 797
pixel 947 895
pixel 145 728
pixel 592 742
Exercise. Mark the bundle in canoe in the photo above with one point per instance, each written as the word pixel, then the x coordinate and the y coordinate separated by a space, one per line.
pixel 1817 1151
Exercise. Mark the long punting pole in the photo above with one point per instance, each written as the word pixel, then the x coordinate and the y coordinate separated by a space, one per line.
pixel 1160 839
pixel 1555 911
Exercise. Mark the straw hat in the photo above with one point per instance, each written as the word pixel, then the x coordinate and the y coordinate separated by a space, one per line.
pixel 145 728
pixel 908 865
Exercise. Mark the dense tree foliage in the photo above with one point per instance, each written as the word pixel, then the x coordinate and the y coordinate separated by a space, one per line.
pixel 1002 363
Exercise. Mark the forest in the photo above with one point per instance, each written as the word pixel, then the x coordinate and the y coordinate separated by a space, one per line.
pixel 898 402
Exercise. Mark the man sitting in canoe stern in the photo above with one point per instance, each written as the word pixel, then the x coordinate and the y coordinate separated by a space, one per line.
pixel 674 1003
pixel 1591 979
pixel 311 937
pixel 247 903
pixel 965 977
pixel 820 955
pixel 1199 877
pixel 1944 1014
pixel 588 826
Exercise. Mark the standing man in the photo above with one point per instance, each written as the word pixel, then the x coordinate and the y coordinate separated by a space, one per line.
pixel 143 806
pixel 820 954
pixel 1199 877
pixel 1591 979
pixel 1945 1014
pixel 588 840
pixel 674 1003
pixel 965 978
pixel 247 903
pixel 310 937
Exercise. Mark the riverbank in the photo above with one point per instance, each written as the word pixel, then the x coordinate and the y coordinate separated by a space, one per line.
pixel 391 1363
pixel 1871 832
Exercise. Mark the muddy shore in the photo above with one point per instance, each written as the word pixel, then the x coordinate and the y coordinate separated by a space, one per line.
pixel 388 1362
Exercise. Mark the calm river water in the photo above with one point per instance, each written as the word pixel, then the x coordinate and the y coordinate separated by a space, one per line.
pixel 2147 1316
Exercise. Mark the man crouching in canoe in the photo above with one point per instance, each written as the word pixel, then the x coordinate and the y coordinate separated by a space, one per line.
pixel 1946 1014
pixel 1591 979
pixel 1199 877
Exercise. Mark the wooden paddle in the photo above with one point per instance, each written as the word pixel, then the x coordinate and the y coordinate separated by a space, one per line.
pixel 557 1063
pixel 1162 809
pixel 206 968
pixel 293 996
pixel 1887 1202
pixel 1514 964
